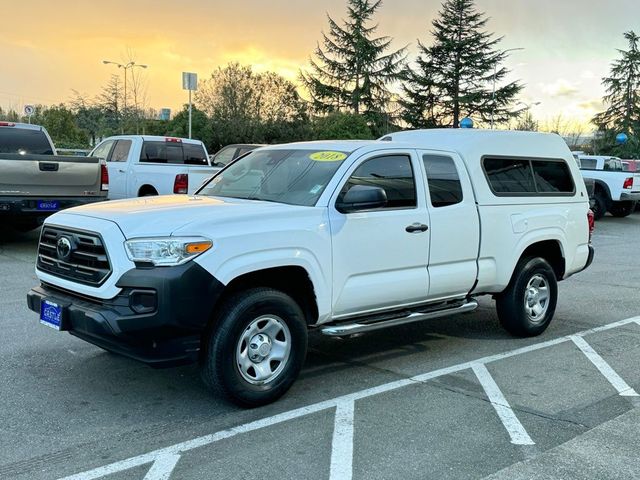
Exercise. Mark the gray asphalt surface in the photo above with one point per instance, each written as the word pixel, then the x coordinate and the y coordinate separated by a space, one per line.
pixel 68 407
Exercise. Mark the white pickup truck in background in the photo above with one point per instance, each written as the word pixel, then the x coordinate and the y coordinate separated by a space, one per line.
pixel 143 165
pixel 615 190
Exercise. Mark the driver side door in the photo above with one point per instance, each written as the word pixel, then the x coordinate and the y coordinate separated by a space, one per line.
pixel 380 255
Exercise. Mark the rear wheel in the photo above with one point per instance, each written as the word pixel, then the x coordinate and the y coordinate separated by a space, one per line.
pixel 526 307
pixel 622 209
pixel 599 205
pixel 257 348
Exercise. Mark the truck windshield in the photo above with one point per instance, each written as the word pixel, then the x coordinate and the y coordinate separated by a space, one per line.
pixel 295 177
pixel 24 141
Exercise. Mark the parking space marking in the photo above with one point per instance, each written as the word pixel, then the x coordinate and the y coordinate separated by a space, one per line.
pixel 601 364
pixel 342 444
pixel 518 434
pixel 198 442
pixel 162 467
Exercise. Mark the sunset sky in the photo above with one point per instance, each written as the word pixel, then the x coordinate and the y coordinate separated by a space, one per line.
pixel 49 48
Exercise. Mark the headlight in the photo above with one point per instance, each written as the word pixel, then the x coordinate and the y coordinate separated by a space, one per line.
pixel 166 251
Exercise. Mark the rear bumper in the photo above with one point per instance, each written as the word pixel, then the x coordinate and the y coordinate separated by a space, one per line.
pixel 28 206
pixel 158 318
pixel 630 197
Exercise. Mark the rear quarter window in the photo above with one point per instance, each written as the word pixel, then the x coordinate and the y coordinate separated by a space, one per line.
pixel 528 177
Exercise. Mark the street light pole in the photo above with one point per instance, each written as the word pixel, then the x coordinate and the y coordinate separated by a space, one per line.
pixel 125 67
pixel 495 73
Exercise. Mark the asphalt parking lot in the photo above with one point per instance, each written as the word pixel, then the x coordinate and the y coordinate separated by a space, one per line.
pixel 453 398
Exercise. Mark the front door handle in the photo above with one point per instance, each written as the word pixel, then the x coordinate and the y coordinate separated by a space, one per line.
pixel 121 171
pixel 417 228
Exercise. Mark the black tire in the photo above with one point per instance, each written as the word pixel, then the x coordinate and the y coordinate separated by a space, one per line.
pixel 599 205
pixel 512 303
pixel 221 370
pixel 622 209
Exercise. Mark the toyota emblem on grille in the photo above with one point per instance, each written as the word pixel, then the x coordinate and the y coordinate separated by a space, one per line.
pixel 63 248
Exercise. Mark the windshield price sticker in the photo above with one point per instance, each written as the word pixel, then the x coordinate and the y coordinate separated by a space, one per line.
pixel 328 156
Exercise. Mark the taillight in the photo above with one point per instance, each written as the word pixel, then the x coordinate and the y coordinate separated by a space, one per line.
pixel 172 140
pixel 104 178
pixel 7 124
pixel 628 183
pixel 181 183
pixel 592 223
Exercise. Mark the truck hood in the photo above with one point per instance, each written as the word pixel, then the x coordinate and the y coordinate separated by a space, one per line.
pixel 163 215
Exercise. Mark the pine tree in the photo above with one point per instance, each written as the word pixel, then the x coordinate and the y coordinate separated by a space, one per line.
pixel 353 69
pixel 622 91
pixel 455 76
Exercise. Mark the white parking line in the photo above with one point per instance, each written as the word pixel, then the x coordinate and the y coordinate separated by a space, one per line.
pixel 600 363
pixel 182 447
pixel 342 444
pixel 162 467
pixel 518 434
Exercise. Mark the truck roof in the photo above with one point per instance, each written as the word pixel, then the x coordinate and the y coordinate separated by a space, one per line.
pixel 472 143
pixel 26 126
pixel 156 138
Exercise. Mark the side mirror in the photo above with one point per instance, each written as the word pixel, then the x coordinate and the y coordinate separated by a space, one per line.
pixel 362 197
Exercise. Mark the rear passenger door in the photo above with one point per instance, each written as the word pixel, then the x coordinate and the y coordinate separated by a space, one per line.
pixel 454 227
pixel 380 255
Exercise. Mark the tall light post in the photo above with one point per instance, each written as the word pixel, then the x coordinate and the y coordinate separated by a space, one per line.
pixel 495 73
pixel 125 67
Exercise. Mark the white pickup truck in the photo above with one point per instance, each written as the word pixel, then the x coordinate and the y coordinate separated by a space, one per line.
pixel 615 190
pixel 345 237
pixel 144 165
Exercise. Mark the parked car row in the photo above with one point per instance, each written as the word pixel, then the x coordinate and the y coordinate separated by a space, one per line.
pixel 37 181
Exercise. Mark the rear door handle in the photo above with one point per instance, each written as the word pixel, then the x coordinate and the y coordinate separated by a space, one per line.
pixel 417 228
pixel 121 171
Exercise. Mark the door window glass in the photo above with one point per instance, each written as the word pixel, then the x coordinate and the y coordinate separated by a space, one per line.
pixel 120 152
pixel 102 150
pixel 392 173
pixel 444 183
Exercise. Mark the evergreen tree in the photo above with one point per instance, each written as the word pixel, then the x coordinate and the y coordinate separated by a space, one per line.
pixel 454 77
pixel 622 91
pixel 353 69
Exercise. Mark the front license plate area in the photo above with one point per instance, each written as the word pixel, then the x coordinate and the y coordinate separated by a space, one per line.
pixel 51 314
pixel 48 205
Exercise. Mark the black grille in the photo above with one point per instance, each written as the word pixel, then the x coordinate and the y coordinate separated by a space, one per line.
pixel 87 263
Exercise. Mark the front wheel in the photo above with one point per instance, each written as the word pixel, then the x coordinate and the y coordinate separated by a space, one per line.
pixel 526 307
pixel 257 347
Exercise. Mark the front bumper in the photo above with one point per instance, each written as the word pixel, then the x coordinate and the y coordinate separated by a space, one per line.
pixel 28 206
pixel 157 318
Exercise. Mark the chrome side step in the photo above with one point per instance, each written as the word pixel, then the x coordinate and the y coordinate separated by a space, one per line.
pixel 352 328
